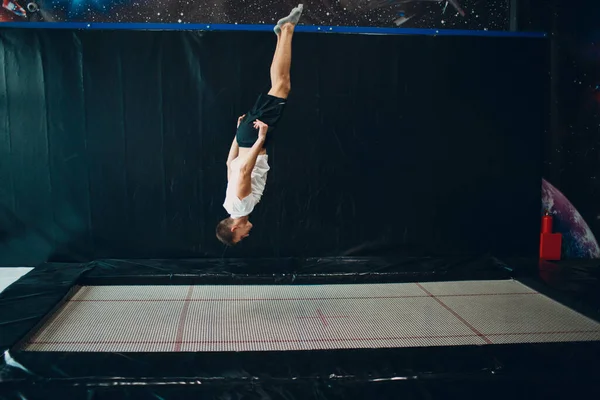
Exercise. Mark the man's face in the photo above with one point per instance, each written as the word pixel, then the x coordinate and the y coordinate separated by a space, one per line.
pixel 241 231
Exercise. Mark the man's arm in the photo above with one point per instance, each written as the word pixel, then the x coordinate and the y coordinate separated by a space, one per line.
pixel 234 150
pixel 247 165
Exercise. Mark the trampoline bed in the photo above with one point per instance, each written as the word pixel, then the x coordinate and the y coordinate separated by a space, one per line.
pixel 239 318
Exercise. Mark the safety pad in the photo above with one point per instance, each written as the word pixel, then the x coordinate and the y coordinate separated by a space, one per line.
pixel 308 317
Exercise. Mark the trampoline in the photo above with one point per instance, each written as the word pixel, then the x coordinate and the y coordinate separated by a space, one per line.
pixel 307 327
pixel 282 318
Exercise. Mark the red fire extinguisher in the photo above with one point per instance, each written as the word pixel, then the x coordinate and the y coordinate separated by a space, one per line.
pixel 547 222
pixel 550 243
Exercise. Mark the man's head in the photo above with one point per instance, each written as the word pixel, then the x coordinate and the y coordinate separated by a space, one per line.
pixel 232 230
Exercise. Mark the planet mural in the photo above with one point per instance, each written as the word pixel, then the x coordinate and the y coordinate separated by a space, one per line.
pixel 578 239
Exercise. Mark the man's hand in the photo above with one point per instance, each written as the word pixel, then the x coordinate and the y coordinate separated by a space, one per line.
pixel 262 128
pixel 240 120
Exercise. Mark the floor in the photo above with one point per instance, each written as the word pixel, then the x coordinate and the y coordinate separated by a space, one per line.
pixel 10 275
pixel 269 318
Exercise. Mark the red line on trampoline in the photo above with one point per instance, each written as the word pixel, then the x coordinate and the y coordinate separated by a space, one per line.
pixel 461 319
pixel 306 298
pixel 308 340
pixel 322 317
pixel 182 318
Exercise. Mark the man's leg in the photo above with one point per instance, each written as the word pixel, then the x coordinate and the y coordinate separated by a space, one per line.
pixel 282 59
pixel 273 69
pixel 282 63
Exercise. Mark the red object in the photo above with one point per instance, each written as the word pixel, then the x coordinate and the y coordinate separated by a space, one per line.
pixel 547 223
pixel 550 243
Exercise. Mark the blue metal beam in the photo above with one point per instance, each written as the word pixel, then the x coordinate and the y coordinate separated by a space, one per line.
pixel 267 28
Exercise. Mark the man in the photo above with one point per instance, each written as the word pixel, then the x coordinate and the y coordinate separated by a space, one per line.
pixel 247 164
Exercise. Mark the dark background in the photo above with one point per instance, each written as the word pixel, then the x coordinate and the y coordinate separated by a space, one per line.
pixel 572 145
pixel 114 144
pixel 573 162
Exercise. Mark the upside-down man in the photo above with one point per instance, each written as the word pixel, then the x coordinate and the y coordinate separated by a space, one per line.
pixel 247 163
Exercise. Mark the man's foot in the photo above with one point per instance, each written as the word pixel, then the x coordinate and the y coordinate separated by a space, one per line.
pixel 293 18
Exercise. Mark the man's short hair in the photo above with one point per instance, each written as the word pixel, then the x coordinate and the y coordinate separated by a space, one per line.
pixel 224 233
